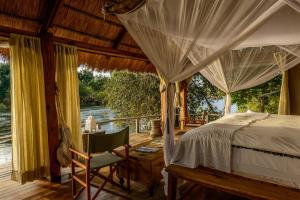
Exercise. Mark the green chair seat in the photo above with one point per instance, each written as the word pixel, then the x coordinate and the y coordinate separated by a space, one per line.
pixel 103 160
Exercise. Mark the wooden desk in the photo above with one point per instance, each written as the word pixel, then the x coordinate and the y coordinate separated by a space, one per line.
pixel 145 168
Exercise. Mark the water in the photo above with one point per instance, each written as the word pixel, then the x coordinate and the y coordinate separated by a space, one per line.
pixel 100 113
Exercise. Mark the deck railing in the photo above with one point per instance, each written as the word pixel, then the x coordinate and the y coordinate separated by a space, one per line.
pixel 205 116
pixel 137 121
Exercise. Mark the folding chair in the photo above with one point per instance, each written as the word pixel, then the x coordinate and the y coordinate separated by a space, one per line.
pixel 99 153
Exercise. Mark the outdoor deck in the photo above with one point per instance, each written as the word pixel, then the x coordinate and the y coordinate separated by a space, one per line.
pixel 43 189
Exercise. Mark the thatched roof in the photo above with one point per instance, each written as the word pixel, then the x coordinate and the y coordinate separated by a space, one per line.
pixel 103 42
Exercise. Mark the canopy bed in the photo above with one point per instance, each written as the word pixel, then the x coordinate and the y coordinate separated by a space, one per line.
pixel 235 45
pixel 254 145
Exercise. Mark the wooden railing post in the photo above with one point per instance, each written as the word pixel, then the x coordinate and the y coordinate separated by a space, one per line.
pixel 137 125
pixel 262 104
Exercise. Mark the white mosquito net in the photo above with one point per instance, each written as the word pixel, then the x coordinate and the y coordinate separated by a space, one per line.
pixel 182 37
pixel 246 68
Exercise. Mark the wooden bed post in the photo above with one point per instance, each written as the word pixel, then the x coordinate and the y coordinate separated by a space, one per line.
pixel 47 44
pixel 172 187
pixel 183 105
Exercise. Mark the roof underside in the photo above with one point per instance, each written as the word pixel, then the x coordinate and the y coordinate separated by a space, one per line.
pixel 103 42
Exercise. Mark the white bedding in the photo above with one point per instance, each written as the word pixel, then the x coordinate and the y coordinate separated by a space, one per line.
pixel 211 146
pixel 277 133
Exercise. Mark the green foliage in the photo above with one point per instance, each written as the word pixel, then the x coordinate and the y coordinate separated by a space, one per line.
pixel 91 87
pixel 249 98
pixel 133 94
pixel 201 95
pixel 4 86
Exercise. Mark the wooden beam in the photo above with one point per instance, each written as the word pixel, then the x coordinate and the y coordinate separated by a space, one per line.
pixel 47 43
pixel 105 39
pixel 86 47
pixel 52 9
pixel 6 31
pixel 87 14
pixel 230 183
pixel 19 17
pixel 96 37
pixel 90 48
pixel 129 45
pixel 119 38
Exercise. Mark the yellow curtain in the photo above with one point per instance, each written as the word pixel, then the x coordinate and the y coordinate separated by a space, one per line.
pixel 30 151
pixel 284 101
pixel 68 85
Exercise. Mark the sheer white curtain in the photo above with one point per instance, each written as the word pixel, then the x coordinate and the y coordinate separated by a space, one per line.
pixel 167 31
pixel 30 152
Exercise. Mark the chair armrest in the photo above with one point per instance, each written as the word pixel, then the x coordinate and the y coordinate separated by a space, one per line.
pixel 81 154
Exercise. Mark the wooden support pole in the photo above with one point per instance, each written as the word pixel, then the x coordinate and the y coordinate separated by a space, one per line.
pixel 47 44
pixel 183 105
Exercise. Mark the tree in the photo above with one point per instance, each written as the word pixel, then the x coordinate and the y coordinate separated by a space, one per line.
pixel 4 86
pixel 202 95
pixel 133 94
pixel 250 98
pixel 91 87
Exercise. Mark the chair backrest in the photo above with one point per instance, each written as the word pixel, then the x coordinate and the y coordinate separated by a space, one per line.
pixel 96 143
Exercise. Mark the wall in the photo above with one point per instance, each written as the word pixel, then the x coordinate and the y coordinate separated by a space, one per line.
pixel 294 85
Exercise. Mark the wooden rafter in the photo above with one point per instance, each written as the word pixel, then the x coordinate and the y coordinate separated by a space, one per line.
pixel 91 15
pixel 97 37
pixel 84 33
pixel 19 17
pixel 119 38
pixel 102 50
pixel 6 31
pixel 51 11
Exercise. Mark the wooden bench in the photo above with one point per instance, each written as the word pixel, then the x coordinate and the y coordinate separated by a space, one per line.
pixel 230 183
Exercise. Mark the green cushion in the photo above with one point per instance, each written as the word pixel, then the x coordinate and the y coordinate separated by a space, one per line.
pixel 104 159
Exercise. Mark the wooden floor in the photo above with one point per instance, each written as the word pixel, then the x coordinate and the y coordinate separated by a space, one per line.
pixel 42 189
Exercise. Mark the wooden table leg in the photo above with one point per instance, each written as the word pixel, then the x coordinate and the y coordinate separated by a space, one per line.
pixel 172 186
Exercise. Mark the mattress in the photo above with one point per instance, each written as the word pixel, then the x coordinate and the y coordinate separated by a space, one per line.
pixel 274 168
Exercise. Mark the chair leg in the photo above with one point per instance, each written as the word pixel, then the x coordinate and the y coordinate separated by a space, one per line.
pixel 104 183
pixel 127 168
pixel 73 173
pixel 127 178
pixel 73 187
pixel 88 181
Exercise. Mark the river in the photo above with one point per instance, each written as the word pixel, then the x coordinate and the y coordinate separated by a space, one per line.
pixel 100 113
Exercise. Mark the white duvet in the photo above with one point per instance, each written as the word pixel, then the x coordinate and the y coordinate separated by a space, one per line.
pixel 211 145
